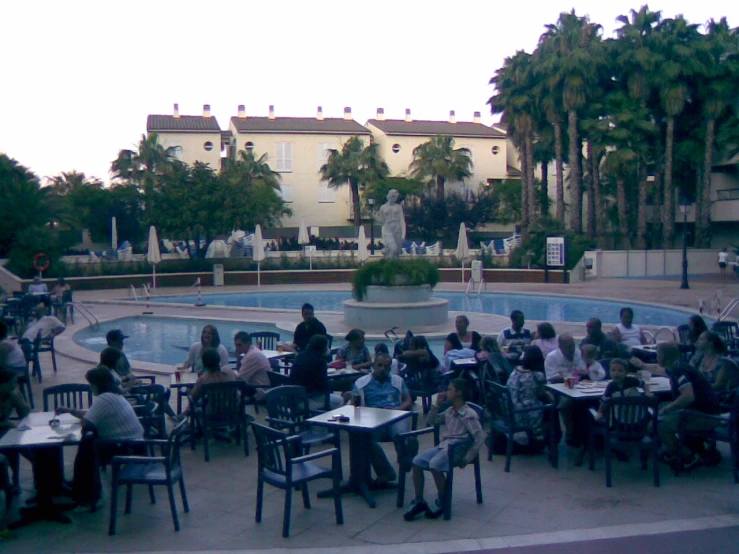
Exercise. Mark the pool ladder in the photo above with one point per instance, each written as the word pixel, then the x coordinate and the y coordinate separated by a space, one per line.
pixel 86 313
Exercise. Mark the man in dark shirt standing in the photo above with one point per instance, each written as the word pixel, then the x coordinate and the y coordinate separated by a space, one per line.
pixel 307 328
pixel 692 391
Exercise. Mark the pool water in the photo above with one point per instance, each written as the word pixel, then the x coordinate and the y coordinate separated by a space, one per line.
pixel 163 340
pixel 534 306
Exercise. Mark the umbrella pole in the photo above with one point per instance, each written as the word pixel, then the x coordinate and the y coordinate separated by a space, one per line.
pixel 259 274
pixel 462 271
pixel 154 277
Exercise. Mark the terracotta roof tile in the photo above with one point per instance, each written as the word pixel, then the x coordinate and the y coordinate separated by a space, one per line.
pixel 298 125
pixel 189 123
pixel 430 128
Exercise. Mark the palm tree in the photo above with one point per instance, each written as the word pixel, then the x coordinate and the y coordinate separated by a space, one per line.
pixel 514 83
pixel 437 160
pixel 675 40
pixel 250 170
pixel 356 165
pixel 578 57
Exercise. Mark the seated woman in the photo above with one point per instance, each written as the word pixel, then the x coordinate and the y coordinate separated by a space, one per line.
pixel 355 352
pixel 527 387
pixel 626 334
pixel 310 370
pixel 213 372
pixel 709 359
pixel 696 327
pixel 59 289
pixel 463 337
pixel 420 358
pixel 209 338
pixel 546 338
pixel 110 418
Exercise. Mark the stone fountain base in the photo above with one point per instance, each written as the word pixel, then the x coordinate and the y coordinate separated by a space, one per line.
pixel 397 306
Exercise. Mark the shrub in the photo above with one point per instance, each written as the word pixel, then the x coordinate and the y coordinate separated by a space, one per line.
pixel 392 271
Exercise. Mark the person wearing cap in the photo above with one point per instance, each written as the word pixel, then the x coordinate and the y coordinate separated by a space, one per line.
pixel 115 338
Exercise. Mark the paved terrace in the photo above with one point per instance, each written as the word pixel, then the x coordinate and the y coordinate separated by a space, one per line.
pixel 533 504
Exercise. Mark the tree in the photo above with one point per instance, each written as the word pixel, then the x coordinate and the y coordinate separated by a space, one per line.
pixel 437 160
pixel 577 56
pixel 354 165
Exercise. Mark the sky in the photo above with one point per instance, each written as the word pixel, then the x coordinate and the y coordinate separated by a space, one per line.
pixel 80 77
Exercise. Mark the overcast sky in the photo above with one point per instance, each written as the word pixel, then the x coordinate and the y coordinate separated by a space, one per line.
pixel 80 77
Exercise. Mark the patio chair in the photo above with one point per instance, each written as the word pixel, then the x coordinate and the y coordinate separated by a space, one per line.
pixel 64 306
pixel 267 339
pixel 503 420
pixel 164 470
pixel 222 405
pixel 288 409
pixel 728 331
pixel 726 430
pixel 405 463
pixel 71 395
pixel 280 467
pixel 629 421
pixel 419 385
pixel 45 345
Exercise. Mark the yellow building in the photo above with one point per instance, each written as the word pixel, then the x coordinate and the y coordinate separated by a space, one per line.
pixel 296 148
pixel 195 138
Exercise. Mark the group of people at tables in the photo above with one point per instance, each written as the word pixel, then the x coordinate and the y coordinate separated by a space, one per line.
pixel 529 361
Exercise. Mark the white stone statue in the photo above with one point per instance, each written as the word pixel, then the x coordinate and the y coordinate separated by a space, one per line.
pixel 393 225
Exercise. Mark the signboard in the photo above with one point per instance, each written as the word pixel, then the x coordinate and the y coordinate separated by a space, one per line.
pixel 310 250
pixel 555 251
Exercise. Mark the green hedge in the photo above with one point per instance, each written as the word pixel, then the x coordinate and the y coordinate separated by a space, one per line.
pixel 393 271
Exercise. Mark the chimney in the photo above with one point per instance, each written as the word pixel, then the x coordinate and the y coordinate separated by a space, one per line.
pixel 206 110
pixel 380 114
pixel 452 117
pixel 477 118
pixel 319 115
pixel 408 115
pixel 271 111
pixel 242 111
pixel 176 111
pixel 347 114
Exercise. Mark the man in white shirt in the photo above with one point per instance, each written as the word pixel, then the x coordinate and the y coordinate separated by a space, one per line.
pixel 254 367
pixel 14 358
pixel 564 361
pixel 48 325
pixel 38 286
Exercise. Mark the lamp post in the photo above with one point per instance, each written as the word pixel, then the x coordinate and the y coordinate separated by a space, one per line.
pixel 371 202
pixel 685 210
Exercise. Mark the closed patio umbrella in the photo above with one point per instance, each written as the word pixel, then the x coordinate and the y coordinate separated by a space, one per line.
pixel 153 255
pixel 362 253
pixel 259 254
pixel 303 236
pixel 463 251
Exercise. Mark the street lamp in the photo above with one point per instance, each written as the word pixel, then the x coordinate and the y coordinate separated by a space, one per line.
pixel 685 210
pixel 371 202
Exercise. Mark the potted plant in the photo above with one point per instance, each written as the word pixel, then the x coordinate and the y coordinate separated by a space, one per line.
pixel 394 275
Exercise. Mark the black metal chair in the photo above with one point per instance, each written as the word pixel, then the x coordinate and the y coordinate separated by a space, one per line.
pixel 729 331
pixel 266 340
pixel 629 421
pixel 165 470
pixel 46 345
pixel 503 420
pixel 405 463
pixel 221 405
pixel 288 409
pixel 280 467
pixel 419 385
pixel 726 430
pixel 64 307
pixel 72 395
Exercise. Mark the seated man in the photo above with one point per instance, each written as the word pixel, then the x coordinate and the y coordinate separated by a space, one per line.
pixel 461 428
pixel 607 347
pixel 310 370
pixel 380 389
pixel 564 361
pixel 11 400
pixel 38 286
pixel 309 327
pixel 14 358
pixel 254 365
pixel 48 325
pixel 514 339
pixel 692 392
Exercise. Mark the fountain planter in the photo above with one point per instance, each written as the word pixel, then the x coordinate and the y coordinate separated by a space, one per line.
pixel 397 294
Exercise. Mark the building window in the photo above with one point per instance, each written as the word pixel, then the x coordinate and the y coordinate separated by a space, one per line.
pixel 284 156
pixel 249 145
pixel 396 148
pixel 495 150
pixel 323 152
pixel 208 146
pixel 286 191
pixel 326 195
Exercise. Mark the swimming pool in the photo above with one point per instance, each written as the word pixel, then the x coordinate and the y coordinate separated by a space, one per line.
pixel 165 340
pixel 534 306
